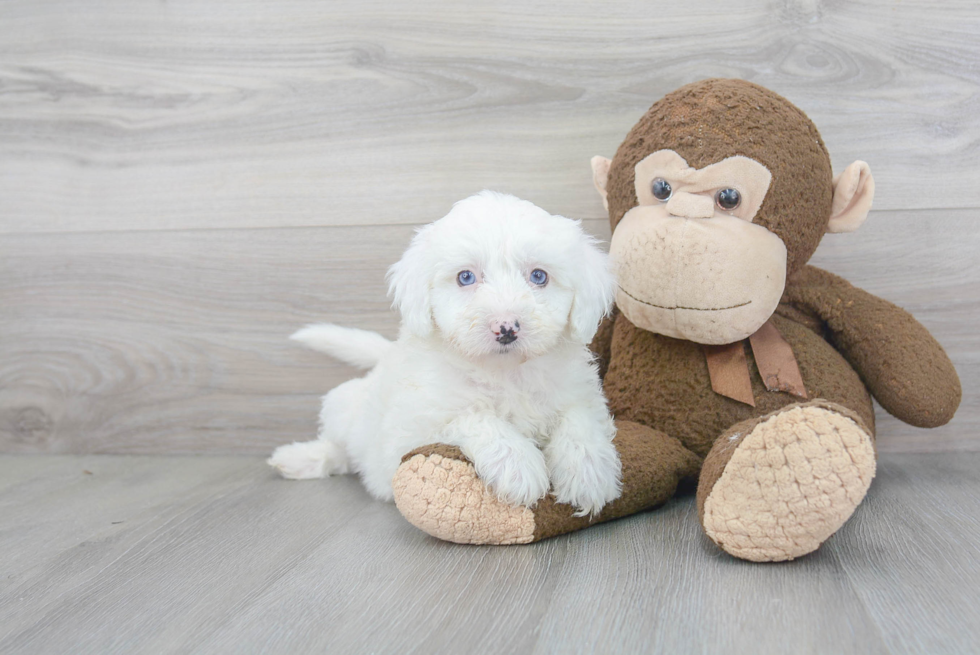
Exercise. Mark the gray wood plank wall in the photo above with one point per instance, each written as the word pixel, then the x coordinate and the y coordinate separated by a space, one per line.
pixel 183 184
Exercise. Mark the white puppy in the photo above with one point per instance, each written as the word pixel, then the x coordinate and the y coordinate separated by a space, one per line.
pixel 499 300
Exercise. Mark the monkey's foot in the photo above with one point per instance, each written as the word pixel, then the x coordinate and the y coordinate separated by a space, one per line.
pixel 438 491
pixel 776 487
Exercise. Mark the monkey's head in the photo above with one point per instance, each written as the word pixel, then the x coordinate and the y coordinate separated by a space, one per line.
pixel 717 196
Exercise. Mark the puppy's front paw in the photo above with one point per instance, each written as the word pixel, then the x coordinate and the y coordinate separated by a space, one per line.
pixel 518 475
pixel 586 476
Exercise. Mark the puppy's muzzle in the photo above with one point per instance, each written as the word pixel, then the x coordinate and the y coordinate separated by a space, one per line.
pixel 506 332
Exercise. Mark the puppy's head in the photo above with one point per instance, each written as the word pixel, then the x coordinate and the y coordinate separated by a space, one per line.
pixel 498 276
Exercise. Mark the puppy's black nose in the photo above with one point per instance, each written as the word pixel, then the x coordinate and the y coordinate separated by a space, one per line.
pixel 507 337
pixel 507 332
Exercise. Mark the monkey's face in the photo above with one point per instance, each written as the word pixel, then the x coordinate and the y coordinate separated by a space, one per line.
pixel 706 233
pixel 690 262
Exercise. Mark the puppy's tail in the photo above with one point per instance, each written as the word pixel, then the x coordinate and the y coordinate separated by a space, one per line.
pixel 358 348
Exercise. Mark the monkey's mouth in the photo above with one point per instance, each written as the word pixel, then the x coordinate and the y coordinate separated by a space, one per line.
pixel 696 309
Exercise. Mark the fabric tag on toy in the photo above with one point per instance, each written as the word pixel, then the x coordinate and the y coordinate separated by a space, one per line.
pixel 776 361
pixel 729 369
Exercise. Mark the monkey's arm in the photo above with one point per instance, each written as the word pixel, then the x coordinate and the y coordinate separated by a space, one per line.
pixel 904 367
pixel 601 345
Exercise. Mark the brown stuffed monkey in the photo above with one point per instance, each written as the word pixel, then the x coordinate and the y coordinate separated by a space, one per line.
pixel 728 360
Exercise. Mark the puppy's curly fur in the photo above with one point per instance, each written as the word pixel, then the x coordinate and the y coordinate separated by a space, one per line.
pixel 499 300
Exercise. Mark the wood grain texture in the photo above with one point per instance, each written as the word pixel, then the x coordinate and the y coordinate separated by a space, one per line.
pixel 143 115
pixel 176 341
pixel 108 554
pixel 183 185
pixel 179 342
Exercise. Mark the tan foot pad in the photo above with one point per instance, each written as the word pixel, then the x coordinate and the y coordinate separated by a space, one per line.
pixel 439 492
pixel 790 483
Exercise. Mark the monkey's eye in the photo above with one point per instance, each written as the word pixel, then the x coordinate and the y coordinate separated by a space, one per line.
pixel 728 199
pixel 660 188
pixel 466 278
pixel 539 277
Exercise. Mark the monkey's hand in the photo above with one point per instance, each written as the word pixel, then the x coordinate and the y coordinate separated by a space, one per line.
pixel 904 367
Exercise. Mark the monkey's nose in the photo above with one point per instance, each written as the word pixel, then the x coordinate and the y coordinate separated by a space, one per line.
pixel 506 330
pixel 690 205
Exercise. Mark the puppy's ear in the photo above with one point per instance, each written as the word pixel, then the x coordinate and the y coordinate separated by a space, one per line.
pixel 594 291
pixel 409 285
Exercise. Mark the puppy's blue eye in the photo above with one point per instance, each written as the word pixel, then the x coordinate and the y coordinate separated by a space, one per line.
pixel 539 277
pixel 466 278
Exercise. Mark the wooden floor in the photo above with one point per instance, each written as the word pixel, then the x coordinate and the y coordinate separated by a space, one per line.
pixel 112 554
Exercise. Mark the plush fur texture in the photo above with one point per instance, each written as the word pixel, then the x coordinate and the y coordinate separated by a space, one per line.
pixel 847 343
pixel 469 515
pixel 777 486
pixel 499 367
pixel 437 490
pixel 709 121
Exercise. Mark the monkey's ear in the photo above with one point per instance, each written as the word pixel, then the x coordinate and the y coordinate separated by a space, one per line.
pixel 854 190
pixel 600 175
